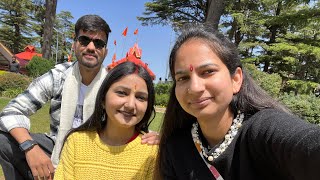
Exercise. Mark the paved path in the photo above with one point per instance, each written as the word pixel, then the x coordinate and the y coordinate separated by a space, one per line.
pixel 160 109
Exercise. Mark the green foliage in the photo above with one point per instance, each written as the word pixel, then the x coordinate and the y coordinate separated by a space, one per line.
pixel 11 93
pixel 13 83
pixel 164 12
pixel 300 87
pixel 162 91
pixel 37 16
pixel 65 35
pixel 297 60
pixel 38 66
pixel 3 72
pixel 162 99
pixel 162 88
pixel 269 82
pixel 22 23
pixel 3 102
pixel 305 106
pixel 278 37
pixel 15 32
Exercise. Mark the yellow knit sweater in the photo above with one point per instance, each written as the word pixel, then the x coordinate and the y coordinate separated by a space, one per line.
pixel 85 156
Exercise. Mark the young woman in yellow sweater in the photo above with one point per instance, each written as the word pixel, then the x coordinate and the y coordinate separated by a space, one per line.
pixel 108 145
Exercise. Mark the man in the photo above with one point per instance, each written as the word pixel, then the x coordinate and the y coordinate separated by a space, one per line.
pixel 71 89
pixel 14 65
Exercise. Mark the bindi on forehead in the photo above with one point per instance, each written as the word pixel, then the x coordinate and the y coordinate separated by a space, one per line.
pixel 191 68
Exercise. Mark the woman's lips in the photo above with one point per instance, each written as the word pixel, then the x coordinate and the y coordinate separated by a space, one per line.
pixel 199 103
pixel 125 113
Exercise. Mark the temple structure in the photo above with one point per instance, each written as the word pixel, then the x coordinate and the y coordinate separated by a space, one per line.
pixel 133 55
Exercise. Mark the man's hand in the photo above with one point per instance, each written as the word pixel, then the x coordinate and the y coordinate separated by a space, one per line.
pixel 151 138
pixel 39 163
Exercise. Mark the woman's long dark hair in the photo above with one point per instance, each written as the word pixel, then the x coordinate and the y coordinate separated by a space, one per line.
pixel 98 119
pixel 249 100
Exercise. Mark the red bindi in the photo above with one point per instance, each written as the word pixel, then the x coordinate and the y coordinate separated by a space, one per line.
pixel 191 68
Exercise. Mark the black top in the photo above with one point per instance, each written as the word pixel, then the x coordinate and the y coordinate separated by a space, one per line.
pixel 14 66
pixel 269 145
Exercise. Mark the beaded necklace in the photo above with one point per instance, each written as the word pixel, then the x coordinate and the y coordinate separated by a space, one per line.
pixel 216 152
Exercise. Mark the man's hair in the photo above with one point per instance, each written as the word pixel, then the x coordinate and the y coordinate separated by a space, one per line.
pixel 92 23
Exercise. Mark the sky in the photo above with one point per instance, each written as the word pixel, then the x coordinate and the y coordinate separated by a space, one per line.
pixel 155 41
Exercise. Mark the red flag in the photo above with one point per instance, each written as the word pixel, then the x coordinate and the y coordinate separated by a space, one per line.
pixel 124 33
pixel 115 42
pixel 135 32
pixel 114 57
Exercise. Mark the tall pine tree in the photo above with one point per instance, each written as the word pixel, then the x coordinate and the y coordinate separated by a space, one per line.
pixel 15 32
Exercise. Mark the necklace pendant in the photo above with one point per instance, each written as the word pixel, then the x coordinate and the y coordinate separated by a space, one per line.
pixel 210 158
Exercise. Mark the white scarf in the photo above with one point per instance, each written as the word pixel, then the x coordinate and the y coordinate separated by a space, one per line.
pixel 69 100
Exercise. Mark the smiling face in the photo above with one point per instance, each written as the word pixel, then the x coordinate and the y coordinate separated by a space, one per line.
pixel 126 102
pixel 89 56
pixel 207 90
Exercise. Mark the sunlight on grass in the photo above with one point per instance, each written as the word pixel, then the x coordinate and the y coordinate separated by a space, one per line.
pixel 156 123
pixel 3 72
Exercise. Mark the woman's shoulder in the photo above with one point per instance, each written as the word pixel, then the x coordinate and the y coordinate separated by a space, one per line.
pixel 273 115
pixel 275 122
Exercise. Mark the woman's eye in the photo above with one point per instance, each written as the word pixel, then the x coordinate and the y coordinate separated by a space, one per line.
pixel 181 78
pixel 209 71
pixel 122 93
pixel 141 98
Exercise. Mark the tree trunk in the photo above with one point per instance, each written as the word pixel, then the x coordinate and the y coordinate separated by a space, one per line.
pixel 214 11
pixel 51 6
pixel 17 38
pixel 273 32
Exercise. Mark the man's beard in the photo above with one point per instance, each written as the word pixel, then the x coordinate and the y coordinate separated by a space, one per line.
pixel 86 63
pixel 89 65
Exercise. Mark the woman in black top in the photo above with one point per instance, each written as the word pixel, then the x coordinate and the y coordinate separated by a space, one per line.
pixel 220 125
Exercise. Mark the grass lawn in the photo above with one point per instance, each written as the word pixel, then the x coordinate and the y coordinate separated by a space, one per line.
pixel 40 121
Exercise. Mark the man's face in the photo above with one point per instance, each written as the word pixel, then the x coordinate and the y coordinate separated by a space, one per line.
pixel 89 49
pixel 13 59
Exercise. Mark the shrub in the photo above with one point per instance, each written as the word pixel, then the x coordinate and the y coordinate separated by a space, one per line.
pixel 269 82
pixel 300 87
pixel 305 106
pixel 38 66
pixel 162 91
pixel 11 93
pixel 2 72
pixel 14 81
pixel 162 88
pixel 162 99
